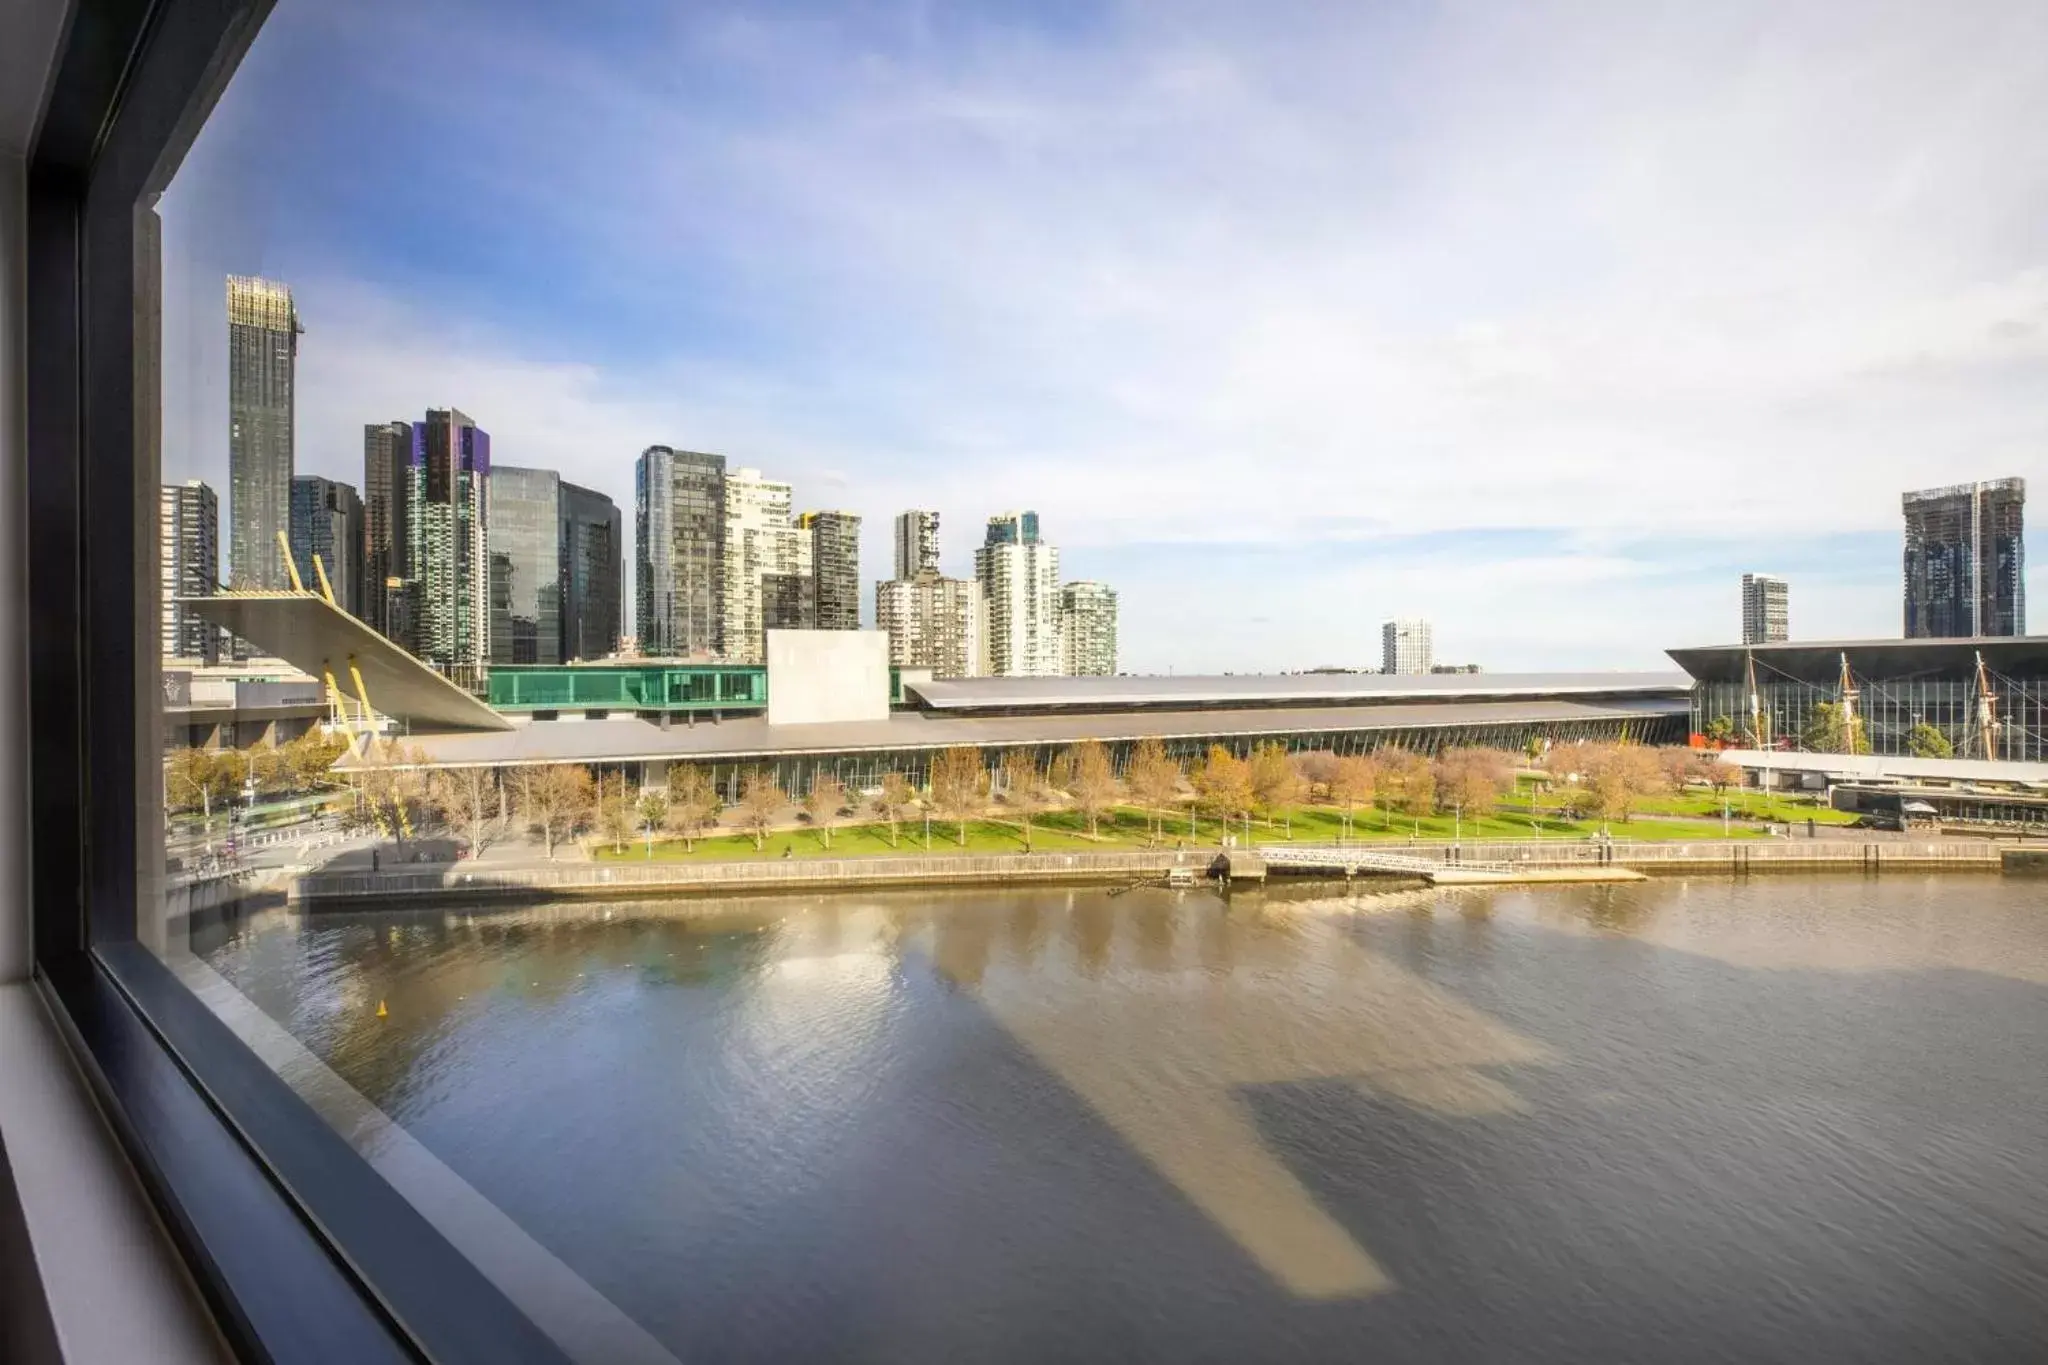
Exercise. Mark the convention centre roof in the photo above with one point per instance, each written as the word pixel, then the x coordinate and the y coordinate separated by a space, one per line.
pixel 1820 661
pixel 626 740
pixel 318 638
pixel 1287 689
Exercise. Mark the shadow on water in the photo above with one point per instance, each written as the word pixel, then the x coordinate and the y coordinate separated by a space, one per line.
pixel 1046 1125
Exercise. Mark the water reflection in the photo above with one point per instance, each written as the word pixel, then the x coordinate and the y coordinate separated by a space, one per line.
pixel 1485 1124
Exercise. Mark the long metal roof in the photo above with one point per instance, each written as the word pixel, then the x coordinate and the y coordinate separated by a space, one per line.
pixel 1287 689
pixel 318 638
pixel 1820 661
pixel 631 740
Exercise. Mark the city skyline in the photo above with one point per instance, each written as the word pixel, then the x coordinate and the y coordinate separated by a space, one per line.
pixel 1459 404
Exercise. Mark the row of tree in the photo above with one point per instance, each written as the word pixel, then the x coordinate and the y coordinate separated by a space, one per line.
pixel 1830 729
pixel 400 792
pixel 205 779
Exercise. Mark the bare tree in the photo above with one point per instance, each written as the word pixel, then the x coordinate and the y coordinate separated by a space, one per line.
pixel 1059 774
pixel 1154 779
pixel 761 800
pixel 653 813
pixel 396 788
pixel 823 802
pixel 1354 781
pixel 465 795
pixel 893 800
pixel 959 784
pixel 615 812
pixel 692 802
pixel 1473 780
pixel 1023 788
pixel 1407 781
pixel 1618 776
pixel 1094 784
pixel 559 797
pixel 1318 768
pixel 1720 776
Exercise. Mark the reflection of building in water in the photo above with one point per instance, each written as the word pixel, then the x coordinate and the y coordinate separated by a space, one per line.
pixel 1283 999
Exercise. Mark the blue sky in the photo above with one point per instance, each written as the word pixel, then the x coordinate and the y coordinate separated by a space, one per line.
pixel 1544 321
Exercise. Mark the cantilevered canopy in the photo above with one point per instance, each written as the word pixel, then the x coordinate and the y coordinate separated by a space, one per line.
pixel 319 638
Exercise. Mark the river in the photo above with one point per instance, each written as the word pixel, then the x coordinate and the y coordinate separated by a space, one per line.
pixel 1783 1119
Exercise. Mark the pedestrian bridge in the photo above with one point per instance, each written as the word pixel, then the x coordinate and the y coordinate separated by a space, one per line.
pixel 1350 861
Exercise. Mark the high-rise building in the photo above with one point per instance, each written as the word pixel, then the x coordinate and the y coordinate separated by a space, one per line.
pixel 759 540
pixel 679 552
pixel 1087 629
pixel 1966 570
pixel 387 542
pixel 263 351
pixel 327 521
pixel 835 567
pixel 402 613
pixel 525 537
pixel 917 543
pixel 934 623
pixel 188 549
pixel 789 601
pixel 1405 647
pixel 1020 578
pixel 1766 613
pixel 448 520
pixel 593 550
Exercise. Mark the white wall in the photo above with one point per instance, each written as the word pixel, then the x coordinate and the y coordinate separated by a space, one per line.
pixel 816 676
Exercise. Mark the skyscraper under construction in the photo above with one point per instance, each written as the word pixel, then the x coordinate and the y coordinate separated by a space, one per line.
pixel 1965 557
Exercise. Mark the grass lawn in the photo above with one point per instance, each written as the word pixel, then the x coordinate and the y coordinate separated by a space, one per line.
pixel 869 841
pixel 1129 828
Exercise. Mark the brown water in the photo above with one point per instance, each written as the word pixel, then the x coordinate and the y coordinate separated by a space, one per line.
pixel 1798 1119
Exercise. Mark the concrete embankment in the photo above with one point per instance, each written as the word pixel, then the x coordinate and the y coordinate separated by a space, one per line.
pixel 465 881
pixel 1470 864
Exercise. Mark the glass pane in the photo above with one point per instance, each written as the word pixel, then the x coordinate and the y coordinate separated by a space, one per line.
pixel 655 751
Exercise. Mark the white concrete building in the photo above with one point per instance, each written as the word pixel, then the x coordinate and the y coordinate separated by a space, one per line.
pixel 1766 609
pixel 934 623
pixel 1405 647
pixel 1020 577
pixel 760 539
pixel 1087 629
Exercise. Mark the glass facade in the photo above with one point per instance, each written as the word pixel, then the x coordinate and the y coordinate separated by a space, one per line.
pixel 1888 710
pixel 593 543
pixel 861 772
pixel 645 687
pixel 526 565
pixel 387 544
pixel 327 522
pixel 448 521
pixel 263 352
pixel 679 552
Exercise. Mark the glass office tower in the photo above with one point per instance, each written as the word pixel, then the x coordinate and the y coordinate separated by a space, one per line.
pixel 526 565
pixel 263 352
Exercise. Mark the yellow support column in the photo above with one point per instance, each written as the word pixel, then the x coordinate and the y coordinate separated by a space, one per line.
pixel 284 544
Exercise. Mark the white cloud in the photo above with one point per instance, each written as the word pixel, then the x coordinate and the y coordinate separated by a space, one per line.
pixel 1639 272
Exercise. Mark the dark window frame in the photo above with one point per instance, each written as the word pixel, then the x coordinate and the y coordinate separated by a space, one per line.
pixel 300 1249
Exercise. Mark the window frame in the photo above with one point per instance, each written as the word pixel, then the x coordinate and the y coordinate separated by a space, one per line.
pixel 300 1249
